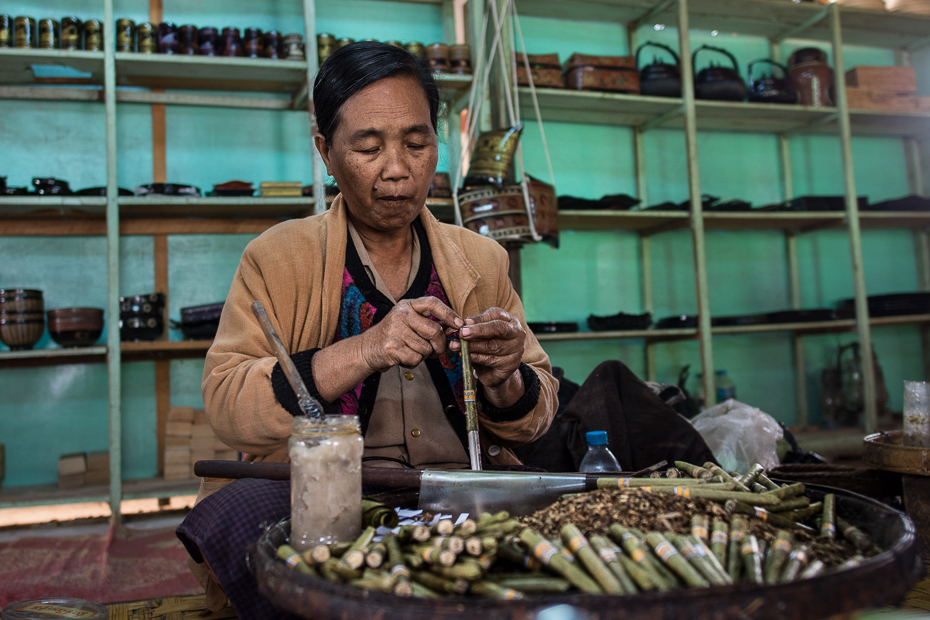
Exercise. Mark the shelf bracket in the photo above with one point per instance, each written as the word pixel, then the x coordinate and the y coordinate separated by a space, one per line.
pixel 662 118
pixel 651 13
pixel 826 120
pixel 787 34
pixel 918 44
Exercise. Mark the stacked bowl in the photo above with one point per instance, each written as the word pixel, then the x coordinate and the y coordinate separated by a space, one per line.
pixel 75 327
pixel 142 317
pixel 22 321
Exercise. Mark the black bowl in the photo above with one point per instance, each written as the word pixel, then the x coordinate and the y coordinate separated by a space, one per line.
pixel 76 338
pixel 167 189
pixel 102 191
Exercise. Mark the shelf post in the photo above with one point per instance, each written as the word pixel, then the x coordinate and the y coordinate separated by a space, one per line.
pixel 313 64
pixel 797 342
pixel 114 356
pixel 697 210
pixel 645 259
pixel 852 218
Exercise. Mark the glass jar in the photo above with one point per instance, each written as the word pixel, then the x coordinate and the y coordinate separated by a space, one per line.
pixel 93 36
pixel 125 35
pixel 49 34
pixel 72 30
pixel 326 480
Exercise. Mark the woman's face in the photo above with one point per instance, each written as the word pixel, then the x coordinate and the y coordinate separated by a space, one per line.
pixel 383 154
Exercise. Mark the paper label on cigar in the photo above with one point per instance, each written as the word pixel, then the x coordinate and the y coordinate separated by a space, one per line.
pixel 799 555
pixel 607 555
pixel 665 550
pixel 827 527
pixel 511 594
pixel 469 396
pixel 683 491
pixel 400 571
pixel 699 531
pixel 568 556
pixel 293 560
pixel 544 551
pixel 532 563
pixel 750 546
pixel 688 551
pixel 638 555
pixel 736 536
pixel 719 537
pixel 577 543
pixel 783 545
pixel 761 513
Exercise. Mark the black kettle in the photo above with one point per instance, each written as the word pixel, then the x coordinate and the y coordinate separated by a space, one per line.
pixel 770 89
pixel 659 79
pixel 716 82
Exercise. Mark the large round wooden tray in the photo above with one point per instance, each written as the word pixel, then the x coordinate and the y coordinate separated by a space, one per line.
pixel 883 580
pixel 887 451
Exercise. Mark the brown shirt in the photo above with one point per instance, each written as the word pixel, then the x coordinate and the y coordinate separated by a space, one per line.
pixel 407 422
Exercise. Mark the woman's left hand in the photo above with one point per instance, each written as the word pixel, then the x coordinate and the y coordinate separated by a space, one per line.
pixel 496 339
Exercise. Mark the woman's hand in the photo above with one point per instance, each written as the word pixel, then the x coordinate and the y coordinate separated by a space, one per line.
pixel 496 340
pixel 408 335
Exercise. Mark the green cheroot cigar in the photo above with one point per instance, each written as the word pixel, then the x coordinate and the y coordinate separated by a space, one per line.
pixel 294 560
pixel 828 520
pixel 674 560
pixel 778 555
pixel 548 555
pixel 580 546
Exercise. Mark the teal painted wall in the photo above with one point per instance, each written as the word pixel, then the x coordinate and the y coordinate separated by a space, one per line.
pixel 597 271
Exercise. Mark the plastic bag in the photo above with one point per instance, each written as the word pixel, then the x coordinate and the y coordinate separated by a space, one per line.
pixel 739 435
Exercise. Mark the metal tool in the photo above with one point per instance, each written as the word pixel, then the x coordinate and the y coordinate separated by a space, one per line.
pixel 471 408
pixel 309 405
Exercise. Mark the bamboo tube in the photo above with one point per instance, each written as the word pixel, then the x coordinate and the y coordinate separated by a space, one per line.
pixel 796 561
pixel 380 583
pixel 421 591
pixel 546 553
pixel 608 554
pixel 787 492
pixel 439 584
pixel 751 560
pixel 518 557
pixel 805 513
pixel 827 527
pixel 775 519
pixel 315 556
pixel 854 535
pixel 768 484
pixel 781 549
pixel 795 503
pixel 489 589
pixel 705 552
pixel 718 542
pixel 413 533
pixel 636 483
pixel 734 559
pixel 674 560
pixel 376 555
pixel 580 546
pixel 443 527
pixel 354 557
pixel 695 471
pixel 473 546
pixel 398 570
pixel 634 548
pixel 815 568
pixel 466 528
pixel 699 527
pixel 690 553
pixel 752 475
pixel 294 560
pixel 529 584
pixel 716 470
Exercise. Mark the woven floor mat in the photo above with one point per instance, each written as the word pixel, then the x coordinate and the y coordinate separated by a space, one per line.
pixel 169 608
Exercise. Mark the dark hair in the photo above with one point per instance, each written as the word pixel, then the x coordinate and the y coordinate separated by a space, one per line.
pixel 357 65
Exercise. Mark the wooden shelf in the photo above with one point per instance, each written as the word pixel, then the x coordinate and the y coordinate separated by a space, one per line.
pixel 894 219
pixel 50 494
pixel 764 18
pixel 773 220
pixel 209 72
pixel 16 66
pixel 646 222
pixel 631 334
pixel 52 356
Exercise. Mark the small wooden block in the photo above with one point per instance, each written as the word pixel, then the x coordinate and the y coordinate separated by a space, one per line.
pixel 98 461
pixel 70 464
pixel 181 414
pixel 883 79
pixel 178 429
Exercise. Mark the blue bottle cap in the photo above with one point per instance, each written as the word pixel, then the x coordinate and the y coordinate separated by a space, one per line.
pixel 596 438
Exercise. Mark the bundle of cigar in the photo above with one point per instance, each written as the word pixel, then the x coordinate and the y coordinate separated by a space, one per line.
pixel 704 527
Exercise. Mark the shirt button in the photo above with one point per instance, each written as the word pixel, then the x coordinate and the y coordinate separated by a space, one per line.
pixel 408 375
pixel 416 432
pixel 494 450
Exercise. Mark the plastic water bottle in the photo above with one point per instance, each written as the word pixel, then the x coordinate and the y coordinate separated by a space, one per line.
pixel 599 456
pixel 726 389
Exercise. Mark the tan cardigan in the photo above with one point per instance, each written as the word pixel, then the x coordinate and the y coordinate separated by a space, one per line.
pixel 295 269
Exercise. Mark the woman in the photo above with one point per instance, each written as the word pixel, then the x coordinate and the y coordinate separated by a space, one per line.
pixel 367 296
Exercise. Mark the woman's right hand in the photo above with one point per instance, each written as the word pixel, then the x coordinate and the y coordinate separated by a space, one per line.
pixel 408 334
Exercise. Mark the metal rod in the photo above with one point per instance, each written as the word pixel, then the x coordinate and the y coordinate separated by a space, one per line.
pixel 309 405
pixel 114 355
pixel 852 218
pixel 787 34
pixel 697 211
pixel 471 408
